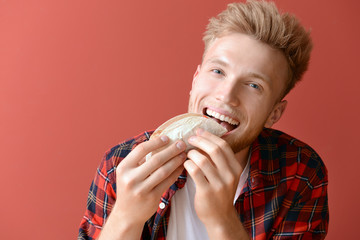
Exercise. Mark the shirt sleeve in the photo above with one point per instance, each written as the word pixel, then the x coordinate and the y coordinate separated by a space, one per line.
pixel 100 199
pixel 305 214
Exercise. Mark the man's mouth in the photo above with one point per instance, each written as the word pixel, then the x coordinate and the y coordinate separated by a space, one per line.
pixel 225 121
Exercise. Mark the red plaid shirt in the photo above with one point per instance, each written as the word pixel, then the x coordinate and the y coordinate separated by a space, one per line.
pixel 284 197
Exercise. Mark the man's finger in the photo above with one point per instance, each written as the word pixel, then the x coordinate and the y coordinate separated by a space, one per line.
pixel 162 157
pixel 218 149
pixel 204 163
pixel 167 182
pixel 163 173
pixel 218 157
pixel 140 151
pixel 196 174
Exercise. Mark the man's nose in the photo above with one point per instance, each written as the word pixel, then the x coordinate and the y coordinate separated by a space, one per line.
pixel 228 93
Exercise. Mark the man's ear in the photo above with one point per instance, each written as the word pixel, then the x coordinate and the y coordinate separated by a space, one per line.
pixel 276 113
pixel 195 75
pixel 194 78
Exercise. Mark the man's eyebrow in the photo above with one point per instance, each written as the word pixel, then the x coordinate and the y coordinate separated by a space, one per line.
pixel 259 76
pixel 216 61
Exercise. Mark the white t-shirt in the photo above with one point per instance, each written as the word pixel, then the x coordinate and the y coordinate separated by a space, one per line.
pixel 184 223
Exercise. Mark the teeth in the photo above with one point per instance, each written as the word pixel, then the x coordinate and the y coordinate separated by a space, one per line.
pixel 221 117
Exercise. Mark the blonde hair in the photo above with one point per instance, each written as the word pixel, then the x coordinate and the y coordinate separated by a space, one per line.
pixel 263 21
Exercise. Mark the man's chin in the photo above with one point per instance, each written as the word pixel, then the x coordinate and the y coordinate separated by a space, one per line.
pixel 239 141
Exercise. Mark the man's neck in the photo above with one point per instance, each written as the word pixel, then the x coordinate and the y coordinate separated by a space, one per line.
pixel 242 156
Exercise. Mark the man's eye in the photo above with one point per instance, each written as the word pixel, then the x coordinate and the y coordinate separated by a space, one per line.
pixel 217 71
pixel 253 85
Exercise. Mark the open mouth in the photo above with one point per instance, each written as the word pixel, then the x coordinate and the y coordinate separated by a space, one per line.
pixel 225 121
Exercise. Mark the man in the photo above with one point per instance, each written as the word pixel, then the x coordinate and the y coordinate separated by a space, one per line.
pixel 254 182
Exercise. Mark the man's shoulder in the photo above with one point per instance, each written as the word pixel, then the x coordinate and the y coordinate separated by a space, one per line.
pixel 274 140
pixel 289 154
pixel 122 149
pixel 273 136
pixel 117 153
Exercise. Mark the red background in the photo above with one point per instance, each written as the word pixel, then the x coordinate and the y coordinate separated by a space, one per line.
pixel 77 77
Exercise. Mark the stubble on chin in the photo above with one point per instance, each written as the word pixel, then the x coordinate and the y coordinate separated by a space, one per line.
pixel 239 143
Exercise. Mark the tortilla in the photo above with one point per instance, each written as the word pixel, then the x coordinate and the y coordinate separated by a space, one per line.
pixel 184 126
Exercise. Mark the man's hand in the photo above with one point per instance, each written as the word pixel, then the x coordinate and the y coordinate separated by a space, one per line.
pixel 140 185
pixel 216 172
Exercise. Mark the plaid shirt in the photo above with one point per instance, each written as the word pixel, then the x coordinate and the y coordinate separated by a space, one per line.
pixel 284 197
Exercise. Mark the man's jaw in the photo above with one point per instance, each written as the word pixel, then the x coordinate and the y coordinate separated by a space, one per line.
pixel 222 117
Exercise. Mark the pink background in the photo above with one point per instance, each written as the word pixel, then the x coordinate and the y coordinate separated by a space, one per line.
pixel 77 77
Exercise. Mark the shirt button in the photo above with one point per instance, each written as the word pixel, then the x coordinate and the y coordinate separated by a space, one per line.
pixel 162 205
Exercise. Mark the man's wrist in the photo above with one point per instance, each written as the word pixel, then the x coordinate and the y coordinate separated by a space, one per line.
pixel 118 227
pixel 227 228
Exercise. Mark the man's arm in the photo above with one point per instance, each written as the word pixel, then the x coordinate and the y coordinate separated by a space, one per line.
pixel 216 173
pixel 307 217
pixel 139 186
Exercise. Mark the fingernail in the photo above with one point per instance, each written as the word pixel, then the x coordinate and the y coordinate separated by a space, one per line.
pixel 180 145
pixel 164 138
pixel 199 131
pixel 192 139
pixel 183 155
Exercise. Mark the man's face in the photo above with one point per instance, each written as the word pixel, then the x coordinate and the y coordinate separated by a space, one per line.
pixel 239 83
